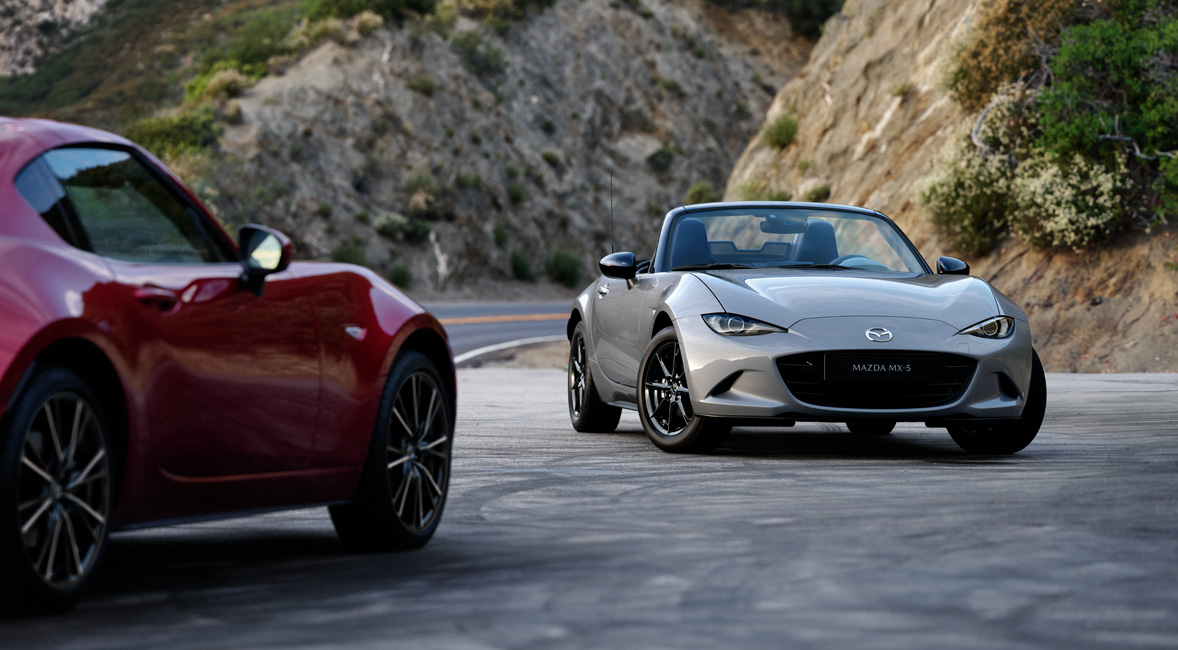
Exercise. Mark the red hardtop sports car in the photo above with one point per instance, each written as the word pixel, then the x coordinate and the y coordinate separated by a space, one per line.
pixel 153 371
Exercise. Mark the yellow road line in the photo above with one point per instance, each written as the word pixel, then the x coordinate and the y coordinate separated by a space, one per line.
pixel 470 320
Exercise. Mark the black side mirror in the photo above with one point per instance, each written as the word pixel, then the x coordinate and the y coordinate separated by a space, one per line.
pixel 263 251
pixel 618 265
pixel 952 266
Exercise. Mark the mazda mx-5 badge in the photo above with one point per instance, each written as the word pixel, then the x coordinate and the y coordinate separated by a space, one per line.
pixel 879 335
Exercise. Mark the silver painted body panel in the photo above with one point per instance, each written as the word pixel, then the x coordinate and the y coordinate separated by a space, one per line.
pixel 824 310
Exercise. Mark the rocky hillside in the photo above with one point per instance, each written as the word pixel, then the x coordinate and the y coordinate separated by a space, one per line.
pixel 873 117
pixel 446 153
pixel 31 29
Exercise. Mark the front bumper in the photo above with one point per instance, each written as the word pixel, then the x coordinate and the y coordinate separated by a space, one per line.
pixel 739 377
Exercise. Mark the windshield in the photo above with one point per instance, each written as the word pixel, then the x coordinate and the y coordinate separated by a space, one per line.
pixel 788 238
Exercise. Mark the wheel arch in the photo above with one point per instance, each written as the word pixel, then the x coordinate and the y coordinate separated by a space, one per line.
pixel 662 321
pixel 435 348
pixel 95 368
pixel 574 318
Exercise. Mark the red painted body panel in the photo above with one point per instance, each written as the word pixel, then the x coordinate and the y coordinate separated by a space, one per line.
pixel 232 402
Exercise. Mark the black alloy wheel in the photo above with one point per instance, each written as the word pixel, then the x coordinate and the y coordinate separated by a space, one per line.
pixel 402 493
pixel 664 401
pixel 586 410
pixel 56 474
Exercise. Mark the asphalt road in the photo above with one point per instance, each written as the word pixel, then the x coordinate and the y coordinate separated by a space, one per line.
pixel 803 538
pixel 475 326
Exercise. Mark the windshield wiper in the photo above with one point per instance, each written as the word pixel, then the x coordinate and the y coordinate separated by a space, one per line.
pixel 713 267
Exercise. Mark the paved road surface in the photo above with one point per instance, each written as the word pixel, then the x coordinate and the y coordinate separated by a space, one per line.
pixel 802 538
pixel 477 325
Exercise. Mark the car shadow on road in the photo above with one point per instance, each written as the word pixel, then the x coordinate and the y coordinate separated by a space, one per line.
pixel 828 442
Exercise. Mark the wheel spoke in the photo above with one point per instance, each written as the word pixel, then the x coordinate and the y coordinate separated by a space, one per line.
pixel 81 418
pixel 414 383
pixel 73 540
pixel 28 525
pixel 51 420
pixel 401 419
pixel 658 385
pixel 86 472
pixel 86 508
pixel 420 502
pixel 402 493
pixel 400 461
pixel 427 425
pixel 429 479
pixel 28 462
pixel 53 550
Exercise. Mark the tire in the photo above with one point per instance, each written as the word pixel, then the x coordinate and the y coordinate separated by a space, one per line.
pixel 871 427
pixel 56 493
pixel 586 410
pixel 402 491
pixel 1013 435
pixel 664 404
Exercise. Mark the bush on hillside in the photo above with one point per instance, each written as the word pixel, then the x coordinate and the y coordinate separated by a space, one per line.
pixel 564 267
pixel 1069 203
pixel 188 131
pixel 701 192
pixel 780 132
pixel 1001 49
pixel 389 9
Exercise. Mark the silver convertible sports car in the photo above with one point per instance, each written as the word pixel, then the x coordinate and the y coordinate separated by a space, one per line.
pixel 772 313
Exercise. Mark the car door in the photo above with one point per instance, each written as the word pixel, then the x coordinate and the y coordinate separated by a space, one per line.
pixel 617 333
pixel 229 381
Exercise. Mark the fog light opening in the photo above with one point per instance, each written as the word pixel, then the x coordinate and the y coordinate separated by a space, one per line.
pixel 725 384
pixel 1006 385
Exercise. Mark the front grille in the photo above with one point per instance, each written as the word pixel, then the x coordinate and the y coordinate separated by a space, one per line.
pixel 804 376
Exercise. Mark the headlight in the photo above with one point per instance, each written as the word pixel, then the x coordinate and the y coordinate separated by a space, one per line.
pixel 998 327
pixel 733 325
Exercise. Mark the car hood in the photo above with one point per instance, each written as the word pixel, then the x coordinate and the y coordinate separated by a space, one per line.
pixel 786 296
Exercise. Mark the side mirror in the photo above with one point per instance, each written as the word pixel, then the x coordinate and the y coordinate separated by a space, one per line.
pixel 952 266
pixel 618 265
pixel 263 251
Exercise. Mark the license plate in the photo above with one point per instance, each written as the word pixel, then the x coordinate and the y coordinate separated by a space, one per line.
pixel 915 368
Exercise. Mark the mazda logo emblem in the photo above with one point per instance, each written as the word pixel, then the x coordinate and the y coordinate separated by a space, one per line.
pixel 879 335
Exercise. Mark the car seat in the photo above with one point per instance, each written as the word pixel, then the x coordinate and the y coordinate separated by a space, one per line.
pixel 817 244
pixel 690 244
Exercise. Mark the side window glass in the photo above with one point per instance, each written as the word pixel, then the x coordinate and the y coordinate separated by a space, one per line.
pixel 126 212
pixel 38 186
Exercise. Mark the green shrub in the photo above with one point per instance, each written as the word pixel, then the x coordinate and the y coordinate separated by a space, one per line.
pixel 423 84
pixel 661 160
pixel 512 171
pixel 553 159
pixel 363 217
pixel 760 191
pixel 466 181
pixel 564 267
pixel 391 9
pixel 515 193
pixel 479 57
pixel 350 253
pixel 189 131
pixel 818 194
pixel 702 192
pixel 781 131
pixel 1111 77
pixel 500 235
pixel 401 229
pixel 400 275
pixel 521 267
pixel 324 210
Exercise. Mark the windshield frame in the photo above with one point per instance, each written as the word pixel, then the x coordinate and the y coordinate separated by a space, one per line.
pixel 661 259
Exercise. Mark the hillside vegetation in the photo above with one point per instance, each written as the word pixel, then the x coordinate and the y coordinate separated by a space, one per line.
pixel 1077 228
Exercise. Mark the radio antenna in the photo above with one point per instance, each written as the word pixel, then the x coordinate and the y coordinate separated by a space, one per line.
pixel 611 211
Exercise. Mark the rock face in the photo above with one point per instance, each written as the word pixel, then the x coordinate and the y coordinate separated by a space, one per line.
pixel 873 118
pixel 30 29
pixel 504 144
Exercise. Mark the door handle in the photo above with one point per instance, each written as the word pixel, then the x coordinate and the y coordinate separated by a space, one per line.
pixel 602 290
pixel 161 299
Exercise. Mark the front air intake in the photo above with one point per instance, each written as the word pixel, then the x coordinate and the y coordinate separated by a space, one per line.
pixel 941 379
